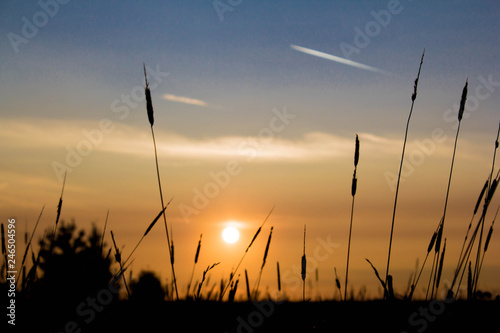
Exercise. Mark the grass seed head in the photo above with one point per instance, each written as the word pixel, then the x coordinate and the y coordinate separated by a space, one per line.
pixel 267 248
pixel 198 250
pixel 356 152
pixel 462 101
pixel 303 269
pixel 480 197
pixel 149 103
pixel 488 239
pixel 414 95
pixel 337 281
pixel 354 184
pixel 438 238
pixel 431 244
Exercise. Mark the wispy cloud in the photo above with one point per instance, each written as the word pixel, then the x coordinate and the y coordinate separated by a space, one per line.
pixel 338 59
pixel 185 100
pixel 123 139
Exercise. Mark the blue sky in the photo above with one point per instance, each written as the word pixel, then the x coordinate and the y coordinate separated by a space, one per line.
pixel 244 63
pixel 221 84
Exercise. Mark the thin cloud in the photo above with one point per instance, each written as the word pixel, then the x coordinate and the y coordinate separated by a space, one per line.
pixel 57 135
pixel 338 59
pixel 185 100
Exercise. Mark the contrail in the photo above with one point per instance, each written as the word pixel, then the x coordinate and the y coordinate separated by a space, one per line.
pixel 338 59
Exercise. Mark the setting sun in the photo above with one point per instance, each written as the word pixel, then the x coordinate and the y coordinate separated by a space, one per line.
pixel 230 235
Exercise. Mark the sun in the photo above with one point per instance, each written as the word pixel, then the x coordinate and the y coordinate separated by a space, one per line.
pixel 230 235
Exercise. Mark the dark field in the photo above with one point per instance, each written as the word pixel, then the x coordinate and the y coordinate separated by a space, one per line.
pixel 265 316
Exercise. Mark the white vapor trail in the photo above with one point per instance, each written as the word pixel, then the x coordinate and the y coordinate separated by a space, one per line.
pixel 338 59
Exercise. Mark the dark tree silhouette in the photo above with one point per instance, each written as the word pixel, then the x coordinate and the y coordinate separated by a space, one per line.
pixel 72 266
pixel 148 289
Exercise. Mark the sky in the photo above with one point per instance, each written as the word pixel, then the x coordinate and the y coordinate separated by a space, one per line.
pixel 247 118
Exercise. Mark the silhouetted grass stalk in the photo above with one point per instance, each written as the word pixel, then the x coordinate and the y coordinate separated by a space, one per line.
pixel 194 265
pixel 29 244
pixel 104 230
pixel 59 208
pixel 413 97
pixel 492 183
pixel 486 243
pixel 223 290
pixel 304 268
pixel 461 255
pixel 200 285
pixel 353 193
pixel 263 262
pixel 118 259
pixel 249 296
pixel 429 248
pixel 337 283
pixel 147 231
pixel 279 276
pixel 149 109
pixel 434 271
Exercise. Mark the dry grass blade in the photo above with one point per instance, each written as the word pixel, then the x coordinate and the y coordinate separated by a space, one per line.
pixel 104 230
pixel 162 212
pixel 279 277
pixel 30 240
pixel 151 225
pixel 249 296
pixel 258 231
pixel 378 276
pixel 118 256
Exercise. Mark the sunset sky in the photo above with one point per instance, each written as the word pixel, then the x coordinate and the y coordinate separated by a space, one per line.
pixel 245 121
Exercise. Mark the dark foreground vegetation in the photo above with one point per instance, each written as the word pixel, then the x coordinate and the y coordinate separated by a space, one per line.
pixel 264 316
